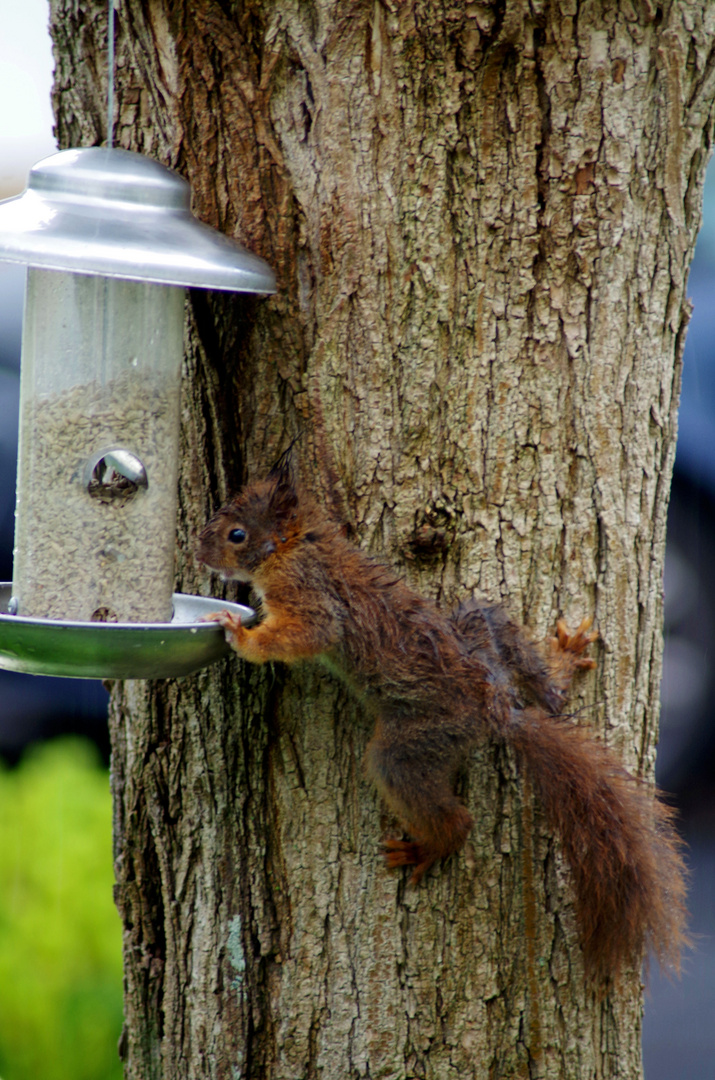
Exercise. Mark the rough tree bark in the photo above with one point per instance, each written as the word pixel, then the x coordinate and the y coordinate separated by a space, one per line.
pixel 481 216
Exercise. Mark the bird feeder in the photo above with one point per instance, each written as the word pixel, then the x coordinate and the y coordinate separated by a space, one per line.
pixel 111 245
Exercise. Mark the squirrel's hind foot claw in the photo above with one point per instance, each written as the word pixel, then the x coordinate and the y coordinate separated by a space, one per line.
pixel 575 642
pixel 407 853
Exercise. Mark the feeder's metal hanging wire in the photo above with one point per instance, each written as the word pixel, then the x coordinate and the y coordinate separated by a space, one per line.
pixel 110 72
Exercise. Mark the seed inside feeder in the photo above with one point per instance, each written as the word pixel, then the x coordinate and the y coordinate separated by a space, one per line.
pixel 97 471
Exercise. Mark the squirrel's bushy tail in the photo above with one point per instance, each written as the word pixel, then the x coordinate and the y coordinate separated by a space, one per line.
pixel 618 837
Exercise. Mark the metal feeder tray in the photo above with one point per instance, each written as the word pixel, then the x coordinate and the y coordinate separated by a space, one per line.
pixel 94 650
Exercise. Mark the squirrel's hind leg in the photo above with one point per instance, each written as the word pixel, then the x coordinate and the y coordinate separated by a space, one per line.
pixel 419 789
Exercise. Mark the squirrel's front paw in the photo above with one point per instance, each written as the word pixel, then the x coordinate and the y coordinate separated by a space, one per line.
pixel 231 624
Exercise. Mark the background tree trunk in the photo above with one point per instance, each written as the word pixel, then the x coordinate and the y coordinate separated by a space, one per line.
pixel 481 216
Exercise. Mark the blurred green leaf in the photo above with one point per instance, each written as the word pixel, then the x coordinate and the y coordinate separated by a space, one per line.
pixel 60 935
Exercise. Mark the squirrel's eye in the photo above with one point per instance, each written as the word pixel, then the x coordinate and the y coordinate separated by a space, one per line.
pixel 237 536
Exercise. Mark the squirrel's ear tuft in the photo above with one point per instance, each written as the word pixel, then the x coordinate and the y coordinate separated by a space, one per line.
pixel 282 471
pixel 284 497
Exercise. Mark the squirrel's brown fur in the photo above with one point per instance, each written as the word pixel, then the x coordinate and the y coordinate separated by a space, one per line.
pixel 434 684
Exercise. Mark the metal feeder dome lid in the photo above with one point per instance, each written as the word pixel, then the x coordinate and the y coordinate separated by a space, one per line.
pixel 120 214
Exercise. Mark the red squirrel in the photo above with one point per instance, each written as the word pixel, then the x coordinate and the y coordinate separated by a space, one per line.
pixel 436 683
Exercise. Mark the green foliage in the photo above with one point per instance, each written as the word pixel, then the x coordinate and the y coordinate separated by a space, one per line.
pixel 60 936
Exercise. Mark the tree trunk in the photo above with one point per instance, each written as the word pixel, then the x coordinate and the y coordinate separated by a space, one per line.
pixel 481 216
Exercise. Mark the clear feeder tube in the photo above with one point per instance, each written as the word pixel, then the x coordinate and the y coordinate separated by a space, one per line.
pixel 99 445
